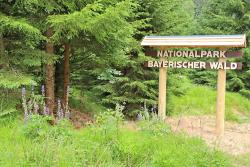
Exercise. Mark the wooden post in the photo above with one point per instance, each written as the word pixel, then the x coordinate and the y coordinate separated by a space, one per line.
pixel 162 91
pixel 220 103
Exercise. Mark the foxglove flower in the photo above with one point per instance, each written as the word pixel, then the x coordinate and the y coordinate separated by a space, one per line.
pixel 32 97
pixel 36 107
pixel 45 109
pixel 30 106
pixel 43 90
pixel 61 114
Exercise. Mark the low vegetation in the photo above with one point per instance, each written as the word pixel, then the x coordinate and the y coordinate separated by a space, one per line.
pixel 201 100
pixel 105 143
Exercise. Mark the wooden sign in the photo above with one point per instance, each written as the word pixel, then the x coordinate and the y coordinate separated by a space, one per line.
pixel 195 65
pixel 165 47
pixel 193 53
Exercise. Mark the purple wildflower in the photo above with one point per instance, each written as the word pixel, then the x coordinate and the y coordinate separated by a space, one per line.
pixel 47 111
pixel 30 106
pixel 36 107
pixel 61 113
pixel 43 90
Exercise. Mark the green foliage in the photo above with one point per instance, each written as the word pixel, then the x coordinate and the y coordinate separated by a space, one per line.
pixel 104 36
pixel 62 130
pixel 19 39
pixel 8 102
pixel 96 20
pixel 235 83
pixel 154 126
pixel 110 117
pixel 109 33
pixel 108 123
pixel 176 87
pixel 36 126
pixel 227 17
pixel 203 77
pixel 113 61
pixel 30 35
pixel 85 102
pixel 169 17
pixel 12 80
pixel 89 147
pixel 245 93
pixel 201 100
pixel 190 153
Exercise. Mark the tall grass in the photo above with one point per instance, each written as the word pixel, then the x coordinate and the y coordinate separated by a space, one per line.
pixel 201 100
pixel 102 145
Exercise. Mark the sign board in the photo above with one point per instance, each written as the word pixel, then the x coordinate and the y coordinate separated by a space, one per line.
pixel 220 42
pixel 195 65
pixel 193 53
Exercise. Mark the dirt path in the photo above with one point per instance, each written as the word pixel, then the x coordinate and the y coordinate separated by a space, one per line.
pixel 235 141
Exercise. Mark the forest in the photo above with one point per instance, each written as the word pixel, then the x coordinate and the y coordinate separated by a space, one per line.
pixel 74 90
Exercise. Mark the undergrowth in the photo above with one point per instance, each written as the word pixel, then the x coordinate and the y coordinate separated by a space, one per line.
pixel 106 144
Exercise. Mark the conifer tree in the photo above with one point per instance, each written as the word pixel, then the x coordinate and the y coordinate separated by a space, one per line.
pixel 229 17
pixel 110 61
pixel 103 38
pixel 17 43
pixel 36 12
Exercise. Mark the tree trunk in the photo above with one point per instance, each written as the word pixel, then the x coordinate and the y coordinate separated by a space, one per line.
pixel 2 56
pixel 49 78
pixel 66 73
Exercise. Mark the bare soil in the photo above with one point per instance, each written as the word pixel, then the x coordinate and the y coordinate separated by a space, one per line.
pixel 80 119
pixel 235 141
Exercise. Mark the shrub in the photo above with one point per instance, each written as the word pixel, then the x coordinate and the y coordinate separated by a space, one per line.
pixel 245 93
pixel 108 122
pixel 36 126
pixel 62 130
pixel 154 125
pixel 176 87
